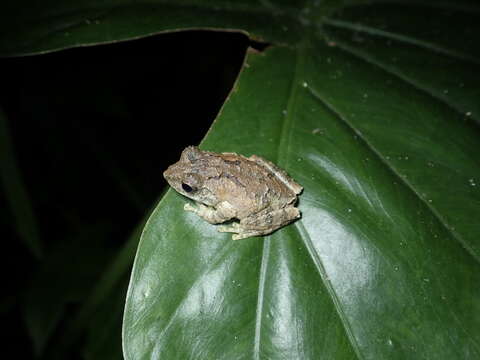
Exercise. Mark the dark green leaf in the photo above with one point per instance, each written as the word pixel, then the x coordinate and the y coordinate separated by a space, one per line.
pixel 386 254
pixel 104 293
pixel 38 27
pixel 80 259
pixel 104 330
pixel 373 109
pixel 13 186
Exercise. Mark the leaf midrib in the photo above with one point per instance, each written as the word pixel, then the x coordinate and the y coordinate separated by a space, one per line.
pixel 282 160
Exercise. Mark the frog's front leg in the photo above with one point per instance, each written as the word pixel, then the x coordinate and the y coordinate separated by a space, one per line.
pixel 223 212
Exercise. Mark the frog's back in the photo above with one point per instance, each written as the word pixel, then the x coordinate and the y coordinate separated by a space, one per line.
pixel 281 174
pixel 255 184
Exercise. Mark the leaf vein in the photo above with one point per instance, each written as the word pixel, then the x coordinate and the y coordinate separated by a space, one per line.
pixel 285 142
pixel 307 241
pixel 260 300
pixel 410 186
pixel 402 38
pixel 410 81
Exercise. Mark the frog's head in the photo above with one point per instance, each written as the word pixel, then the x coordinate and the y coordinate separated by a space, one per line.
pixel 188 176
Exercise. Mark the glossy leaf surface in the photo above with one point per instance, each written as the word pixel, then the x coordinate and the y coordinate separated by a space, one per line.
pixel 38 27
pixel 374 110
pixel 383 263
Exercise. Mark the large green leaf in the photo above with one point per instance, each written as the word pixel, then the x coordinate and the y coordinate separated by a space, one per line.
pixel 373 109
pixel 384 263
pixel 373 270
pixel 38 27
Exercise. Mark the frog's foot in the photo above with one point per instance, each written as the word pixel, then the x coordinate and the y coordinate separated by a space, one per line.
pixel 188 207
pixel 246 234
pixel 232 228
pixel 239 232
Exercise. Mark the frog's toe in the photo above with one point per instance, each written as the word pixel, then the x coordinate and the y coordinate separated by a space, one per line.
pixel 188 207
pixel 233 228
pixel 243 235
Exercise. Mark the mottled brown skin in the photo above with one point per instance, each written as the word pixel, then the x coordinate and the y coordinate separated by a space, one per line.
pixel 227 186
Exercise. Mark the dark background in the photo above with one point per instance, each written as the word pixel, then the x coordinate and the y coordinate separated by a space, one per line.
pixel 92 130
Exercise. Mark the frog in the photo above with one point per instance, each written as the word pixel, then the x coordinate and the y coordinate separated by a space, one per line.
pixel 253 195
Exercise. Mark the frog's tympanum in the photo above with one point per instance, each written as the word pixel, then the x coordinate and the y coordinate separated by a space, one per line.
pixel 229 186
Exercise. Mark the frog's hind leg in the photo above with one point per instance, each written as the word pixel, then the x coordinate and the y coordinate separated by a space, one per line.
pixel 262 224
pixel 223 212
pixel 271 220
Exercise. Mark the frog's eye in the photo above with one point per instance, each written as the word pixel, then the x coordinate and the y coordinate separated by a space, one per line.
pixel 187 187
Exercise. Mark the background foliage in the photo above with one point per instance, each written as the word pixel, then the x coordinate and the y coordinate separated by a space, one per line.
pixel 372 106
pixel 90 148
